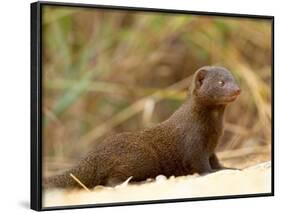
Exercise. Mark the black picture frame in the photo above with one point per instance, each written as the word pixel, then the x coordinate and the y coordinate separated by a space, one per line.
pixel 37 93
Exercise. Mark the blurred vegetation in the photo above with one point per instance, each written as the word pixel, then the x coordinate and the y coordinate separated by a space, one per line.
pixel 111 71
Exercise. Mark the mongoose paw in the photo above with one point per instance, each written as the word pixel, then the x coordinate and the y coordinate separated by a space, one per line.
pixel 230 168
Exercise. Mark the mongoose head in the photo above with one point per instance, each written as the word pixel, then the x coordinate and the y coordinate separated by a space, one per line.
pixel 214 85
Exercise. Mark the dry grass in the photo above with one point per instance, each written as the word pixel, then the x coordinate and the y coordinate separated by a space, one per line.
pixel 79 182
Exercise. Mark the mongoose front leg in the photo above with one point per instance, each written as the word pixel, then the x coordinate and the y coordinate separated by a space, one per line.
pixel 216 165
pixel 201 166
pixel 214 162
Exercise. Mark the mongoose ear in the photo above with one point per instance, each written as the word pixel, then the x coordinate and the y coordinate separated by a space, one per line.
pixel 199 77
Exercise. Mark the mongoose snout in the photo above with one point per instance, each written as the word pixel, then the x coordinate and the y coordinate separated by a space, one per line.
pixel 236 92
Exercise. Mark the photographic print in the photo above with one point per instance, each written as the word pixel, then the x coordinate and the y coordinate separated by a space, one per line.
pixel 138 105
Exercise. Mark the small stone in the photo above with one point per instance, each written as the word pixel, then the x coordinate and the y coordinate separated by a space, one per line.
pixel 161 178
pixel 149 180
pixel 99 187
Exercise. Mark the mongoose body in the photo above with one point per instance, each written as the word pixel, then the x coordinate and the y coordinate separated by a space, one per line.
pixel 183 144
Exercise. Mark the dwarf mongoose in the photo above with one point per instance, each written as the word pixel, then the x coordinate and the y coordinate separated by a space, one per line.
pixel 183 144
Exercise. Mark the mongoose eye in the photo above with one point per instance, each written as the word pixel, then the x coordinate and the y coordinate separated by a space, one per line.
pixel 221 83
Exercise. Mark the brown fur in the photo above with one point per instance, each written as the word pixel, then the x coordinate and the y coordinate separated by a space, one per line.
pixel 183 144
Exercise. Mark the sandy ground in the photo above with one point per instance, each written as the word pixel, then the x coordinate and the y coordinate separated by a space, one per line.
pixel 250 180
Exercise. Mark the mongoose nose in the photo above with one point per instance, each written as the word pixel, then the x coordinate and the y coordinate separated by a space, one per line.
pixel 237 91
